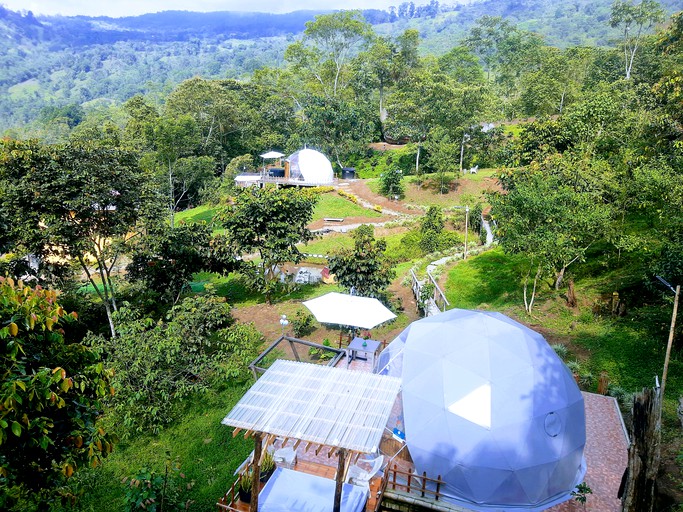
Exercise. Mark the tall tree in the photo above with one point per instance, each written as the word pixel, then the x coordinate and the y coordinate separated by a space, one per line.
pixel 73 201
pixel 51 392
pixel 269 222
pixel 634 20
pixel 328 45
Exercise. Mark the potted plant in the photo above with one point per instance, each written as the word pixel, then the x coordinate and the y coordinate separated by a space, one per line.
pixel 244 487
pixel 267 466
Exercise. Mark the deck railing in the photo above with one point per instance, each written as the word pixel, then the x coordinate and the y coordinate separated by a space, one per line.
pixel 408 482
pixel 439 297
pixel 228 499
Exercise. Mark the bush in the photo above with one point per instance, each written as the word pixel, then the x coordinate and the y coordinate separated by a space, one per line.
pixel 154 492
pixel 159 363
pixel 391 184
pixel 561 350
pixel 303 324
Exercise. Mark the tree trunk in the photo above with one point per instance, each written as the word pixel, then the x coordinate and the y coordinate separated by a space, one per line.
pixel 571 295
pixel 171 202
pixel 417 165
pixel 462 150
pixel 559 278
pixel 643 453
pixel 339 480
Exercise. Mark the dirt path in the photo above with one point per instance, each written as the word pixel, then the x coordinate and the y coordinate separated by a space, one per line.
pixel 360 188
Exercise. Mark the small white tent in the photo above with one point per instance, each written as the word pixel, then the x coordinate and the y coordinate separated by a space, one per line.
pixel 310 166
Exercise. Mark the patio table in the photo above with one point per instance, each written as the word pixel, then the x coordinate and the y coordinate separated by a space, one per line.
pixel 369 348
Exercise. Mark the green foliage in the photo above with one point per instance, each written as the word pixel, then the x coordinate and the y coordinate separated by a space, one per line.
pixel 303 324
pixel 365 268
pixel 149 490
pixel 581 493
pixel 52 395
pixel 159 363
pixel 166 259
pixel 268 221
pixel 391 184
pixel 72 200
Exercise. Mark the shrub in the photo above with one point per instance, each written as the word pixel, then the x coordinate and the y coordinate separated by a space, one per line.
pixel 561 350
pixel 303 324
pixel 154 492
pixel 391 184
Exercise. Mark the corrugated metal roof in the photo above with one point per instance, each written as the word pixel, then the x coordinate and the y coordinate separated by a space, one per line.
pixel 318 404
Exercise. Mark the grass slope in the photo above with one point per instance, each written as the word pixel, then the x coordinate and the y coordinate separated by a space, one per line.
pixel 629 348
pixel 205 448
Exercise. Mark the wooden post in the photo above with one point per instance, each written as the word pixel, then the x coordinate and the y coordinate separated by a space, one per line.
pixel 340 480
pixel 670 342
pixel 256 472
pixel 643 453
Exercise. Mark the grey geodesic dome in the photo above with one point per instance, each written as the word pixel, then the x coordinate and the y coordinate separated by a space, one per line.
pixel 310 166
pixel 489 406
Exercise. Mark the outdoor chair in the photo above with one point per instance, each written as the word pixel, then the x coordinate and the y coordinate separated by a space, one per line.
pixel 361 477
pixel 285 456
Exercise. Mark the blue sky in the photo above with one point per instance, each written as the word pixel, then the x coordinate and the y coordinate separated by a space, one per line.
pixel 117 8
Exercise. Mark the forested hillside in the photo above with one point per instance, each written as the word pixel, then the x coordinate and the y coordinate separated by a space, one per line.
pixel 54 61
pixel 121 194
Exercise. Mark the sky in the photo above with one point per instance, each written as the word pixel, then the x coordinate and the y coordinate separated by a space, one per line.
pixel 118 8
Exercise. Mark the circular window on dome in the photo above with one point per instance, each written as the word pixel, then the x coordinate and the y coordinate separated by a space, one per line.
pixel 553 424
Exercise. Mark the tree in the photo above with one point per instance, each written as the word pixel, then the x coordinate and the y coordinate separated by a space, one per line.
pixel 550 221
pixel 51 394
pixel 391 184
pixel 73 201
pixel 365 269
pixel 634 20
pixel 158 363
pixel 328 45
pixel 166 259
pixel 270 222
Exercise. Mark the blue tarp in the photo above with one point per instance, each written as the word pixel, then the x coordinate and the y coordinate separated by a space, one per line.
pixel 289 490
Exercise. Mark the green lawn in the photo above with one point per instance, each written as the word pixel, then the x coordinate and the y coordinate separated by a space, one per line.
pixel 205 448
pixel 630 349
pixel 333 205
pixel 203 213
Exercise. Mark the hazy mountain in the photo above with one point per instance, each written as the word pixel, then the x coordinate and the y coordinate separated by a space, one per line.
pixel 53 61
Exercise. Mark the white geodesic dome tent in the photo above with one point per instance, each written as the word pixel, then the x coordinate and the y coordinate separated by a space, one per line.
pixel 489 406
pixel 310 166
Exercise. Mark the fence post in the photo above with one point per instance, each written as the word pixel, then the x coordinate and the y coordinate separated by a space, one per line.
pixel 438 487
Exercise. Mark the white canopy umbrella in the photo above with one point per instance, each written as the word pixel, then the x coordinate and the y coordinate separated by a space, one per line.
pixel 343 309
pixel 272 154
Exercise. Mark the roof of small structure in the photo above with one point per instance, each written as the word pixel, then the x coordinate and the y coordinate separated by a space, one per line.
pixel 318 404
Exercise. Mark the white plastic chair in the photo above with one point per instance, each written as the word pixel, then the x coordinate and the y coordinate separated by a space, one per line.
pixel 285 456
pixel 361 477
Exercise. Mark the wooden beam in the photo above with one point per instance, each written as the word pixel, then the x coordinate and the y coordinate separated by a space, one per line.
pixel 307 446
pixel 256 472
pixel 236 431
pixel 339 480
pixel 247 433
pixel 296 445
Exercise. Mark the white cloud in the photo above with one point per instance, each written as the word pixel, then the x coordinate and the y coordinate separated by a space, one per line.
pixel 118 8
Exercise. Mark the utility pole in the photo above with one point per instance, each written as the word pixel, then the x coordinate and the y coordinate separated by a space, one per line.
pixel 467 218
pixel 677 293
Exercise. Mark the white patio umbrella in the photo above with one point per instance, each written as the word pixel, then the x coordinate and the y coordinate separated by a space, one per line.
pixel 343 309
pixel 271 154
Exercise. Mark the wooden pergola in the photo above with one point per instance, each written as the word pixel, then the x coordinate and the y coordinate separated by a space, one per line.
pixel 320 406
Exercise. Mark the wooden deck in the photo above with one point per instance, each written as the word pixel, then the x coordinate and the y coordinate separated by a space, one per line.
pixel 305 465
